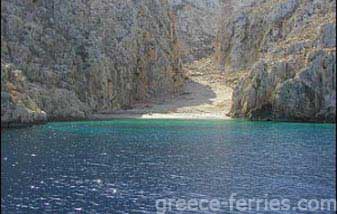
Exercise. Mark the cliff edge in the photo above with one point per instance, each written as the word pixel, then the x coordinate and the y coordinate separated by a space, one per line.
pixel 284 52
pixel 63 60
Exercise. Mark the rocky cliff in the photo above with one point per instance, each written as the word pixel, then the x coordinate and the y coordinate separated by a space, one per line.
pixel 284 52
pixel 63 60
pixel 197 25
pixel 67 59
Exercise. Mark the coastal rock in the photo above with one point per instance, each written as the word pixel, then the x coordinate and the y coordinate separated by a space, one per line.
pixel 286 50
pixel 196 25
pixel 79 57
pixel 17 108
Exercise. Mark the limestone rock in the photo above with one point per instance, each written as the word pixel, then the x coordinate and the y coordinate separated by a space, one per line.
pixel 196 24
pixel 17 108
pixel 287 49
pixel 79 57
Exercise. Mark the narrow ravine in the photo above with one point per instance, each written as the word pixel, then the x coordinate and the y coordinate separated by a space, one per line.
pixel 205 96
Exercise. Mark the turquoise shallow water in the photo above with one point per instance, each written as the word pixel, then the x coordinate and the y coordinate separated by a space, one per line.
pixel 124 166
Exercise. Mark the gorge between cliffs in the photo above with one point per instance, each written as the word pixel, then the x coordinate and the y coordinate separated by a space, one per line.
pixel 168 106
pixel 186 59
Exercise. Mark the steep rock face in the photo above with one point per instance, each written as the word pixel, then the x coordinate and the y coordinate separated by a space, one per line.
pixel 196 24
pixel 66 59
pixel 286 51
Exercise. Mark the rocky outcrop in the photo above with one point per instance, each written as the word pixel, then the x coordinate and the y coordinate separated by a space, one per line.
pixel 286 53
pixel 196 24
pixel 67 59
pixel 63 60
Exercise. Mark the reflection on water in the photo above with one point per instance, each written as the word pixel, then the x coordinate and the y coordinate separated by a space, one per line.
pixel 123 166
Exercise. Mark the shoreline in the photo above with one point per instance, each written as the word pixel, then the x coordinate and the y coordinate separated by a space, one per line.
pixel 123 115
pixel 183 116
pixel 151 116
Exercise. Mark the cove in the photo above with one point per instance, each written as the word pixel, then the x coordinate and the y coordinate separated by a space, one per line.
pixel 124 166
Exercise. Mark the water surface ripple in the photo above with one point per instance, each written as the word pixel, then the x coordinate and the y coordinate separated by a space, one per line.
pixel 124 166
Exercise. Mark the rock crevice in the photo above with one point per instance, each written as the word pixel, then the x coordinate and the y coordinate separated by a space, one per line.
pixel 284 52
pixel 72 58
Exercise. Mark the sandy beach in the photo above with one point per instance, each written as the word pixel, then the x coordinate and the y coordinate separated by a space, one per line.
pixel 205 96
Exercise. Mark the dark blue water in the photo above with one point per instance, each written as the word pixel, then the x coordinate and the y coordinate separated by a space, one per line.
pixel 124 166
